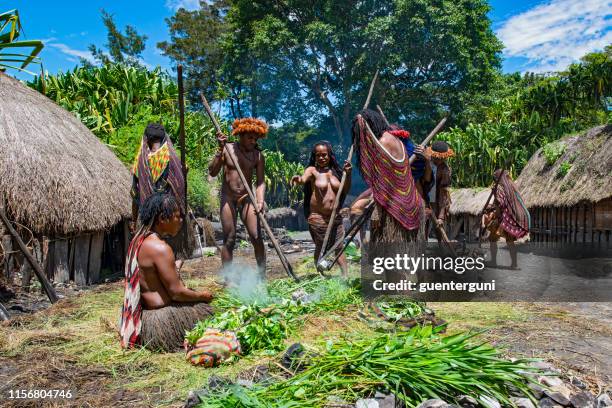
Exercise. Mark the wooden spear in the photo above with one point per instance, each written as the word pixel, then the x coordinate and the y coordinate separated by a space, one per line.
pixel 181 103
pixel 26 252
pixel 246 185
pixel 330 225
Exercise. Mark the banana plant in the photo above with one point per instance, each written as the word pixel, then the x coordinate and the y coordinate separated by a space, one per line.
pixel 10 29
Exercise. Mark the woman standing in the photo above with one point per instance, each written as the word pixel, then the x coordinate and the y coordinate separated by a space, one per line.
pixel 321 181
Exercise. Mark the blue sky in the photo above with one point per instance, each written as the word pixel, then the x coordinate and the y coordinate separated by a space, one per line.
pixel 538 35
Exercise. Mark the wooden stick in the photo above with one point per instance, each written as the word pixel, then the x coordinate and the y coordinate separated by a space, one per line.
pixel 383 115
pixel 37 269
pixel 181 103
pixel 367 102
pixel 262 219
pixel 343 179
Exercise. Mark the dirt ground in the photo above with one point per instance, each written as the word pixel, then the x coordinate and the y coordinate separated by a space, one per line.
pixel 575 337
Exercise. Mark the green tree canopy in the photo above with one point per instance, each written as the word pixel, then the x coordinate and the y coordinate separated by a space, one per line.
pixel 295 61
pixel 122 48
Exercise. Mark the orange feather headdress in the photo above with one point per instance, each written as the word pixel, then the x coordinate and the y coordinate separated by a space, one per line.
pixel 250 125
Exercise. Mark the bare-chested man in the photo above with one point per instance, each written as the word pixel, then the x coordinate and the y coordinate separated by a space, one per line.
pixel 234 197
pixel 322 177
pixel 157 307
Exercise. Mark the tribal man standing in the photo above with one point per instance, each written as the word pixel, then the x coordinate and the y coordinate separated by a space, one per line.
pixel 234 196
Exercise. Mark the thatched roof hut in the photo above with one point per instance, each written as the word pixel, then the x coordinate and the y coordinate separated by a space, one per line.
pixel 56 176
pixel 466 204
pixel 59 181
pixel 468 200
pixel 583 173
pixel 570 200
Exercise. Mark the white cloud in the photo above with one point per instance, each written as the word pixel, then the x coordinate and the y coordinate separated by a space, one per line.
pixel 186 4
pixel 554 34
pixel 70 51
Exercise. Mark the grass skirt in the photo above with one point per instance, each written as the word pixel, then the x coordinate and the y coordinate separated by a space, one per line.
pixel 164 329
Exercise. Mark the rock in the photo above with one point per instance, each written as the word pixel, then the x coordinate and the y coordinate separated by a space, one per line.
pixel 537 390
pixel 583 399
pixel 367 403
pixel 604 400
pixel 218 383
pixel 433 403
pixel 385 400
pixel 522 402
pixel 548 403
pixel 467 401
pixel 193 400
pixel 300 295
pixel 550 381
pixel 578 383
pixel 245 383
pixel 489 402
pixel 544 366
pixel 337 402
pixel 557 397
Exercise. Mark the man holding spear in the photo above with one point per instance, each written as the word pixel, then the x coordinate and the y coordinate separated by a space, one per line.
pixel 234 196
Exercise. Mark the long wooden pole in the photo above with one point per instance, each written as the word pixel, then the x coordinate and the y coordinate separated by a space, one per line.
pixel 26 252
pixel 181 103
pixel 330 225
pixel 246 185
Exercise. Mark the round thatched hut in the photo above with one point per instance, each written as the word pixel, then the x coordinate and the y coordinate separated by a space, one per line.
pixel 60 182
pixel 569 193
pixel 466 205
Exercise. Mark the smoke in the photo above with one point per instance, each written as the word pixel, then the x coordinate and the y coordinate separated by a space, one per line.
pixel 246 283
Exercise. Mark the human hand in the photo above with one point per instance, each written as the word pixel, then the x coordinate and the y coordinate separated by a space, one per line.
pixel 132 227
pixel 221 140
pixel 348 167
pixel 440 222
pixel 295 180
pixel 261 206
pixel 206 296
pixel 421 152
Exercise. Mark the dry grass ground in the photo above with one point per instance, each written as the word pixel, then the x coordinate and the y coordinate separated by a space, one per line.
pixel 74 345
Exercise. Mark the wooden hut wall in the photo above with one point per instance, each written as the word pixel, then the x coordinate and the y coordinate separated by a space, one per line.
pixel 463 223
pixel 81 258
pixel 589 223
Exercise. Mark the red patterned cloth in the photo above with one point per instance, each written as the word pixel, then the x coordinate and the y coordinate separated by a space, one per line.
pixel 131 313
pixel 391 181
pixel 515 219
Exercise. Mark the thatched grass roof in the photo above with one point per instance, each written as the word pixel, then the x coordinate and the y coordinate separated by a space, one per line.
pixel 55 175
pixel 468 200
pixel 587 164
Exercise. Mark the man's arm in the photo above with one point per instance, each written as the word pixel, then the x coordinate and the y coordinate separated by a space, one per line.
pixel 217 162
pixel 164 261
pixel 260 189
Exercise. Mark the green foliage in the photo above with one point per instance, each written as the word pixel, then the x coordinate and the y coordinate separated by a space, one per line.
pixel 563 169
pixel 415 365
pixel 506 126
pixel 122 48
pixel 106 98
pixel 199 194
pixel 553 151
pixel 268 318
pixel 352 253
pixel 313 62
pixel 10 30
pixel 278 173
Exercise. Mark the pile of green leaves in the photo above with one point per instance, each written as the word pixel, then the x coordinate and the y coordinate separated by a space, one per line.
pixel 414 365
pixel 269 315
pixel 399 309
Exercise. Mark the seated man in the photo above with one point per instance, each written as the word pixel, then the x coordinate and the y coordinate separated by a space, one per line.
pixel 157 307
